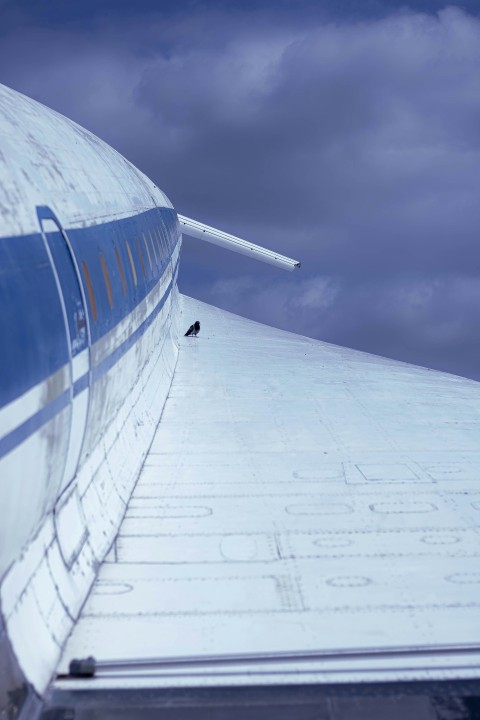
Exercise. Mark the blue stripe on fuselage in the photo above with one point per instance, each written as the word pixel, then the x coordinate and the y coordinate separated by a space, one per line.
pixel 80 385
pixel 105 365
pixel 88 243
pixel 31 323
pixel 36 421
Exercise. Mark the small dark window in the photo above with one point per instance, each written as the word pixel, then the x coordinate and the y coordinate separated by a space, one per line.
pixel 106 277
pixel 141 257
pixel 148 251
pixel 157 236
pixel 132 264
pixel 154 249
pixel 91 294
pixel 121 271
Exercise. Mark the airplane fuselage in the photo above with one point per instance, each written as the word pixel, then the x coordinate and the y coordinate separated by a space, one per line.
pixel 89 254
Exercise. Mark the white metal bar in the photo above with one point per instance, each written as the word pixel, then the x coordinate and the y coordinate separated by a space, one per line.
pixel 231 242
pixel 340 654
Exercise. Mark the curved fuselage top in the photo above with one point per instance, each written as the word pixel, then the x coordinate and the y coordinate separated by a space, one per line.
pixel 47 159
pixel 89 251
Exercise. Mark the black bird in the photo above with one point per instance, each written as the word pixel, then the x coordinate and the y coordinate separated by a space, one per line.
pixel 193 329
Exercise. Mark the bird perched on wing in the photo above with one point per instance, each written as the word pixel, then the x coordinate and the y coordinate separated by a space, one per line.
pixel 193 329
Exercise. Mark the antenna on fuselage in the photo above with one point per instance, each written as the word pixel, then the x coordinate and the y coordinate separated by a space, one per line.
pixel 199 230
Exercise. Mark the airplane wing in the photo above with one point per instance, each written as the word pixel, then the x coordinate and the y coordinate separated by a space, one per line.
pixel 307 515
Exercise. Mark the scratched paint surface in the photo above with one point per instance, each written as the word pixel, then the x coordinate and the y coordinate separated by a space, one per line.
pixel 47 159
pixel 297 497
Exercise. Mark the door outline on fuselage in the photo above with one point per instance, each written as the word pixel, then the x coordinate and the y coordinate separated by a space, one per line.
pixel 44 213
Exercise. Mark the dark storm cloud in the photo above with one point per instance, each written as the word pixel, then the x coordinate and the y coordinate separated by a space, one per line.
pixel 353 145
pixel 58 13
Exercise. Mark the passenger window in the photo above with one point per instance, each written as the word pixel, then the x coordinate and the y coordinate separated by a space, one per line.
pixel 158 242
pixel 106 277
pixel 161 236
pixel 91 294
pixel 132 264
pixel 121 270
pixel 141 257
pixel 148 251
pixel 153 247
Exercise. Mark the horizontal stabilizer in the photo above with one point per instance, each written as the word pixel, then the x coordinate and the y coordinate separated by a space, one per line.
pixel 231 242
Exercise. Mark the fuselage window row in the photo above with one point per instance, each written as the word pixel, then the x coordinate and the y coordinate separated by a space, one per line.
pixel 156 245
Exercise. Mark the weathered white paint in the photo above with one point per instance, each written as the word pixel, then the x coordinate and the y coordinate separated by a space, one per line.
pixel 46 588
pixel 24 407
pixel 80 365
pixel 41 152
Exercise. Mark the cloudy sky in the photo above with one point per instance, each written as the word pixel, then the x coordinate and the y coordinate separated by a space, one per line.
pixel 344 134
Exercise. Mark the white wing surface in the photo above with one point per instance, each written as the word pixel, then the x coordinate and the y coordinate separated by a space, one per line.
pixel 306 514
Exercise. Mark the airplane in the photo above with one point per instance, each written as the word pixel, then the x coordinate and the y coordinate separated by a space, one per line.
pixel 255 521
